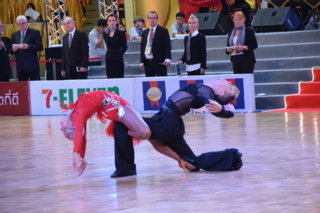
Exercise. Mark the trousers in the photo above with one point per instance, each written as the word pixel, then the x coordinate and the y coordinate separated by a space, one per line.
pixel 168 128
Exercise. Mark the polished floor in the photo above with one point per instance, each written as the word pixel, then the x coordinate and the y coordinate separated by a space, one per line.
pixel 281 172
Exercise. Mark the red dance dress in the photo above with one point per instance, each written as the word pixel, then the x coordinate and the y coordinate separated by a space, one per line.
pixel 106 104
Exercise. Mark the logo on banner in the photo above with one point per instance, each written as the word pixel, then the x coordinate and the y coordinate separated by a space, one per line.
pixel 66 96
pixel 239 102
pixel 154 94
pixel 184 83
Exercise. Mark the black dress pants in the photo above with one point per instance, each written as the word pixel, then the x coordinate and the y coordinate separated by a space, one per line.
pixel 168 128
pixel 152 68
pixel 242 64
pixel 124 152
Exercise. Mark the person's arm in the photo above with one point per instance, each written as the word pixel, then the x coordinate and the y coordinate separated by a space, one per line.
pixel 174 29
pixel 63 64
pixel 142 48
pixel 229 49
pixel 37 42
pixel 184 56
pixel 251 41
pixel 203 49
pixel 123 42
pixel 165 150
pixel 167 47
pixel 79 145
pixel 220 111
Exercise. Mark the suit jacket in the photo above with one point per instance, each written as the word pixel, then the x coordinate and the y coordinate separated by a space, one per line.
pixel 4 56
pixel 27 60
pixel 116 46
pixel 77 54
pixel 250 41
pixel 198 50
pixel 161 47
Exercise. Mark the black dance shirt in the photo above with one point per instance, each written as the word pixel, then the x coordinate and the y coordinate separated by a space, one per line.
pixel 194 96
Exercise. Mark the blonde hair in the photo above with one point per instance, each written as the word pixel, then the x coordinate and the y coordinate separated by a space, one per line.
pixel 192 16
pixel 239 14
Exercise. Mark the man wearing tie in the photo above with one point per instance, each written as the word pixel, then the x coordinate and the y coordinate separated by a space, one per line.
pixel 5 45
pixel 155 55
pixel 75 51
pixel 26 42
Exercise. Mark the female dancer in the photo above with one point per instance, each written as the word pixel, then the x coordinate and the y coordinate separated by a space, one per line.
pixel 108 106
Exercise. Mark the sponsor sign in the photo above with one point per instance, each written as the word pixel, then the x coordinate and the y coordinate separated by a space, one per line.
pixel 14 98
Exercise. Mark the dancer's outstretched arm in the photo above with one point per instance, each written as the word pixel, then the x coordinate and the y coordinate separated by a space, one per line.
pixel 167 151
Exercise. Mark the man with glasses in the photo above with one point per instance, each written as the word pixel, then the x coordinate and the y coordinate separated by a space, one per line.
pixel 75 51
pixel 26 42
pixel 5 45
pixel 155 53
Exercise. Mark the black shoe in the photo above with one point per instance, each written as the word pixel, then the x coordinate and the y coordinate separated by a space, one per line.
pixel 117 174
pixel 237 162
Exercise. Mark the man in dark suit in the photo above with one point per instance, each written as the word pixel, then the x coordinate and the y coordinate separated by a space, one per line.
pixel 5 45
pixel 25 44
pixel 155 48
pixel 75 52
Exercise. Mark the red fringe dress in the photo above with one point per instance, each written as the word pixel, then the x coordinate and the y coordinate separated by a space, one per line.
pixel 89 103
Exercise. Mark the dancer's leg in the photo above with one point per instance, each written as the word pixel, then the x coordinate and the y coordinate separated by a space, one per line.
pixel 124 152
pixel 134 122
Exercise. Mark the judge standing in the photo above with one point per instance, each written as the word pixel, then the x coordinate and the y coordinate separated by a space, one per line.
pixel 75 51
pixel 116 47
pixel 240 45
pixel 195 52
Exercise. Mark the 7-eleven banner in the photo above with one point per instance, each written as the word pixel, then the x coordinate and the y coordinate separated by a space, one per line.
pixel 48 97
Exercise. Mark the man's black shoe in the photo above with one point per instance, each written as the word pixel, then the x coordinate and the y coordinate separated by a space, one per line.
pixel 237 162
pixel 117 174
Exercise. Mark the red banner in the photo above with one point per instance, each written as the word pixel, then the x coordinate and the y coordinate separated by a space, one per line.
pixel 14 98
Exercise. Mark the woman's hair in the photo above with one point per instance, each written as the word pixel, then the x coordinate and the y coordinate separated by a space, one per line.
pixel 239 14
pixel 32 5
pixel 111 15
pixel 225 98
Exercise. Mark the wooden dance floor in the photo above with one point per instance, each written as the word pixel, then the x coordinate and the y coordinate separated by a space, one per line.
pixel 281 172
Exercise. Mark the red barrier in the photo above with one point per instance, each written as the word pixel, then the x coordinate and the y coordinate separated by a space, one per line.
pixel 14 98
pixel 58 60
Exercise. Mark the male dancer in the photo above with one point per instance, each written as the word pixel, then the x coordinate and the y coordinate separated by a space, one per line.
pixel 167 128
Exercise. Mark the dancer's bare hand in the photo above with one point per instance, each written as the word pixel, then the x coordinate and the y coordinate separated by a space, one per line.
pixel 79 164
pixel 213 106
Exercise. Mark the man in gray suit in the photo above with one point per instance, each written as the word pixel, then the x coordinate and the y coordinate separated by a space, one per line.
pixel 26 42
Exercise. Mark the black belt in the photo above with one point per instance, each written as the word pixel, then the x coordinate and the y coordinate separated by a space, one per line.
pixel 165 108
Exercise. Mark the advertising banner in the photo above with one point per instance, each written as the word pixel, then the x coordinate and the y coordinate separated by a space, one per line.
pixel 151 93
pixel 48 97
pixel 14 98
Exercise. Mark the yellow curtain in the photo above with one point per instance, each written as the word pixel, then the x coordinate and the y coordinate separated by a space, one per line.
pixel 10 10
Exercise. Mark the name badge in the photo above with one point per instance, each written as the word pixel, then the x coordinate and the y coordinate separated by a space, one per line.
pixel 147 50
